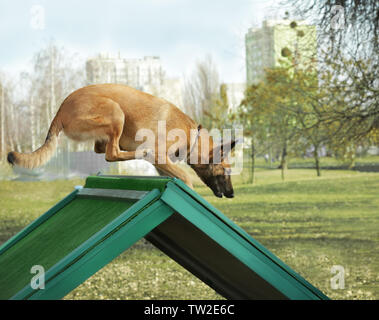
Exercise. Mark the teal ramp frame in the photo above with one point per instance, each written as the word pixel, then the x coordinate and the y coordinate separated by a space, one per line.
pixel 183 225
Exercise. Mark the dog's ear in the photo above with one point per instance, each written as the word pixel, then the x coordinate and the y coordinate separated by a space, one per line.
pixel 229 146
pixel 233 144
pixel 224 148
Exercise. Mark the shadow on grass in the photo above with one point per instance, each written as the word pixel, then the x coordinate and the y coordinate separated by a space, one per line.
pixel 286 217
pixel 360 167
pixel 327 165
pixel 367 167
pixel 331 241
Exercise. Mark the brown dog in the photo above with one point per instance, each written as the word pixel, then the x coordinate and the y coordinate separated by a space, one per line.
pixel 112 114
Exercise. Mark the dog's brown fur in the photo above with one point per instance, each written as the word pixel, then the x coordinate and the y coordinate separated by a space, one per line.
pixel 111 115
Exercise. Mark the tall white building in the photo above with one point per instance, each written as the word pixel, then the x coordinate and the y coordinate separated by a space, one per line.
pixel 136 73
pixel 145 74
pixel 264 46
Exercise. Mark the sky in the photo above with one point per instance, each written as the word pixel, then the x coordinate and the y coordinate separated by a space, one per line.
pixel 180 32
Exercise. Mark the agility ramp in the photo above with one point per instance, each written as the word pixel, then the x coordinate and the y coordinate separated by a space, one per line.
pixel 93 225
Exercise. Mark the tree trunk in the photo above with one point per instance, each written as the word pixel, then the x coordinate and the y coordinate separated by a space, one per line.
pixel 13 129
pixel 352 161
pixel 352 151
pixel 317 161
pixel 52 85
pixel 38 127
pixel 270 155
pixel 10 136
pixel 283 162
pixel 252 172
pixel 32 124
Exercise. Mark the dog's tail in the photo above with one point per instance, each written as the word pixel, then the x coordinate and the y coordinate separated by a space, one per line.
pixel 42 155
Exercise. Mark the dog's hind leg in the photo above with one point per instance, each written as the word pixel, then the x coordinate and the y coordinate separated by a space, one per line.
pixel 114 131
pixel 112 148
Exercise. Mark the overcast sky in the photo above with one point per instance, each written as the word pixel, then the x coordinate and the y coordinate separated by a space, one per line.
pixel 179 31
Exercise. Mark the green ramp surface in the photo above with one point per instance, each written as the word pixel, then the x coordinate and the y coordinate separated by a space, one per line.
pixel 93 225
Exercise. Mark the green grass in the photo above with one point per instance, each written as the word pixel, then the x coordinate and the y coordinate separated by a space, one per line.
pixel 315 223
pixel 49 244
pixel 310 223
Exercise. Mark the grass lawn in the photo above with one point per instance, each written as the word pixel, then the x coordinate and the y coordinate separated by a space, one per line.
pixel 310 223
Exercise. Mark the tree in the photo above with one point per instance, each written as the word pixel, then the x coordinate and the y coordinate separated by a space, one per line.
pixel 267 108
pixel 36 96
pixel 202 91
pixel 219 116
pixel 10 124
pixel 256 127
pixel 306 107
pixel 348 33
pixel 342 21
pixel 54 76
pixel 281 102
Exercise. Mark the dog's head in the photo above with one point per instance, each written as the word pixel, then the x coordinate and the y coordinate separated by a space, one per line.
pixel 217 174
